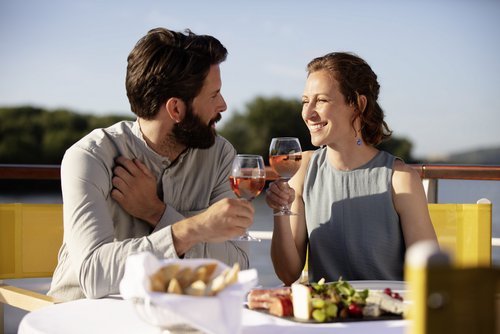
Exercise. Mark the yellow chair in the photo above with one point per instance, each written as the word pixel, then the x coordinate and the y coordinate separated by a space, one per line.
pixel 30 238
pixel 464 231
pixel 448 299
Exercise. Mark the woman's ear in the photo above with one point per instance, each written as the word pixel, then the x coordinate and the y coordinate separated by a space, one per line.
pixel 176 109
pixel 361 102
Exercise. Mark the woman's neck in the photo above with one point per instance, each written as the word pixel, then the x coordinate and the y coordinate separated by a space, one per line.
pixel 352 157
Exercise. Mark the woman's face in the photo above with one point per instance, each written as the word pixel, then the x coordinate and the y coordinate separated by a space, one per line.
pixel 325 111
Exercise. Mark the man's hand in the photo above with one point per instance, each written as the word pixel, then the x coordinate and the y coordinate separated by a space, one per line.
pixel 224 220
pixel 135 190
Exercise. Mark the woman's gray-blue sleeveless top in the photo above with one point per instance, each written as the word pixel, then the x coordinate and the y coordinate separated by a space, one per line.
pixel 354 229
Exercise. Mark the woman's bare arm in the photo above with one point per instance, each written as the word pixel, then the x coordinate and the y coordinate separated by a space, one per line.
pixel 289 243
pixel 411 204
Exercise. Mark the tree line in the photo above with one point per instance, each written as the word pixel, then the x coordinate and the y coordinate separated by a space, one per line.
pixel 32 135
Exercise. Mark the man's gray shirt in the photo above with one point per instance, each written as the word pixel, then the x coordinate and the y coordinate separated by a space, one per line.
pixel 99 234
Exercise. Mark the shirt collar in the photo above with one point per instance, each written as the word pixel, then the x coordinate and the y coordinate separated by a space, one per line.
pixel 150 153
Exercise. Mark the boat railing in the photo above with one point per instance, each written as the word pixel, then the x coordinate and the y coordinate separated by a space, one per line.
pixel 429 173
pixel 426 171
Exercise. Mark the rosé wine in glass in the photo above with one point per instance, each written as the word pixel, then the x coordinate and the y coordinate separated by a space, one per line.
pixel 248 178
pixel 285 156
pixel 285 165
pixel 247 187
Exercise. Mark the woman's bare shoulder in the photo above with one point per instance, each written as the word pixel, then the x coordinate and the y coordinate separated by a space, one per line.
pixel 306 155
pixel 404 174
pixel 401 166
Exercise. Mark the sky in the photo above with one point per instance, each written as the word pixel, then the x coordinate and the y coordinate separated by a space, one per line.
pixel 437 61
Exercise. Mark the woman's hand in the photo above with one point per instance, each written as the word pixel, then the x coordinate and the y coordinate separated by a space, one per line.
pixel 279 194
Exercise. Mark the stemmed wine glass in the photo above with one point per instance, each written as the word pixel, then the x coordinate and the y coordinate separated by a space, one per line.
pixel 285 155
pixel 248 177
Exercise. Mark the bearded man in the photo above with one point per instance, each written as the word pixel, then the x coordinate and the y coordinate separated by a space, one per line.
pixel 159 183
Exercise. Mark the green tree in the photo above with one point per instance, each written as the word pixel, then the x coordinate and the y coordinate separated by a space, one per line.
pixel 36 136
pixel 20 135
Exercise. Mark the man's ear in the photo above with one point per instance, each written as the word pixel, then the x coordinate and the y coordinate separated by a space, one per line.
pixel 176 109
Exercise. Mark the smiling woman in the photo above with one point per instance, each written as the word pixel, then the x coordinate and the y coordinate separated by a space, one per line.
pixel 351 198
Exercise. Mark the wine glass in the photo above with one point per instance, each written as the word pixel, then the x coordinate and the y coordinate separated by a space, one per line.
pixel 248 177
pixel 285 155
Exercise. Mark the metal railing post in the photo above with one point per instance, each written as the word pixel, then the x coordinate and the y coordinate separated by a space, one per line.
pixel 431 190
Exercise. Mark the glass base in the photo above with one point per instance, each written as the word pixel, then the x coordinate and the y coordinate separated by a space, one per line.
pixel 247 237
pixel 181 328
pixel 285 213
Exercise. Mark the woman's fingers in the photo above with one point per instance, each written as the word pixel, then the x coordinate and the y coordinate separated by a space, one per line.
pixel 278 194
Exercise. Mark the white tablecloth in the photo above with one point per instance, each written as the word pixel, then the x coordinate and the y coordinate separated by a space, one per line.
pixel 114 315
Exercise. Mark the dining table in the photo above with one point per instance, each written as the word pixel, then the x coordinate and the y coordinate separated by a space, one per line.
pixel 116 315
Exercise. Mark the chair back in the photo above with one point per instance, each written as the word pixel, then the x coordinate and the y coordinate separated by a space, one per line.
pixel 464 230
pixel 30 238
pixel 448 299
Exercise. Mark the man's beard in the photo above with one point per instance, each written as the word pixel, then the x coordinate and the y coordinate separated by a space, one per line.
pixel 192 132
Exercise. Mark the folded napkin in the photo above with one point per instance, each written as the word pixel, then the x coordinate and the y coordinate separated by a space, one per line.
pixel 218 314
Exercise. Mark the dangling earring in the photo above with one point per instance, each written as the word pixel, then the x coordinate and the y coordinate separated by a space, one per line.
pixel 358 139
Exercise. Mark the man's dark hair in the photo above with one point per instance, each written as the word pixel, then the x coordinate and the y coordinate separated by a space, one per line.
pixel 165 64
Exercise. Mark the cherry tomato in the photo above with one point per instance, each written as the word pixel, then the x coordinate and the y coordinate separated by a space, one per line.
pixel 396 295
pixel 355 310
